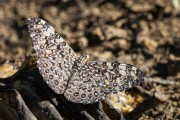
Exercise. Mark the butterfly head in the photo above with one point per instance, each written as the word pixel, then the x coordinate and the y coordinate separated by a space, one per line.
pixel 83 59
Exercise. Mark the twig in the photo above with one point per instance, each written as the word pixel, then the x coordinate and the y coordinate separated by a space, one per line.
pixel 96 3
pixel 164 113
pixel 176 116
pixel 161 81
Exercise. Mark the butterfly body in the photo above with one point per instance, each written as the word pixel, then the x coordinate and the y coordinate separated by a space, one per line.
pixel 80 80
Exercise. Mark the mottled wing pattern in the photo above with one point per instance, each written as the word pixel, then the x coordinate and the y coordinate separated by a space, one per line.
pixel 82 87
pixel 55 56
pixel 117 77
pixel 95 80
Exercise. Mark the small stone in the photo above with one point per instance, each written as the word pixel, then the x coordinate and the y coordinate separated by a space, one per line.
pixel 150 44
pixel 105 56
pixel 112 32
pixel 99 33
pixel 83 42
pixel 123 43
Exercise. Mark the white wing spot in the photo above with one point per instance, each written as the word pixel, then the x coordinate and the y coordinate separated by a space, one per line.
pixel 50 30
pixel 134 68
pixel 122 72
pixel 38 26
pixel 46 33
pixel 123 67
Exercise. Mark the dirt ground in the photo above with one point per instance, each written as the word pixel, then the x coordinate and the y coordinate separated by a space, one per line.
pixel 143 33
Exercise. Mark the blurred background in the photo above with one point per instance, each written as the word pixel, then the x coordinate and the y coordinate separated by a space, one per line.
pixel 143 33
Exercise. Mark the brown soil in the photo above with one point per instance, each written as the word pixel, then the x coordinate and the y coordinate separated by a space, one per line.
pixel 142 33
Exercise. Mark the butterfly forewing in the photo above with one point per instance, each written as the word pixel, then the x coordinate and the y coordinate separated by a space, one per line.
pixel 55 56
pixel 116 76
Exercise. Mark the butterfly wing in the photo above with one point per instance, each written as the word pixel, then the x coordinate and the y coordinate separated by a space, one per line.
pixel 98 79
pixel 117 77
pixel 82 87
pixel 55 56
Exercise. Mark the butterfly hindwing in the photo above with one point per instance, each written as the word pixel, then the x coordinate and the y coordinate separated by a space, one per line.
pixel 83 88
pixel 55 56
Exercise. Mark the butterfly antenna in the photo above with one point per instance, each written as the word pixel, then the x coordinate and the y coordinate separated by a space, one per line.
pixel 84 52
